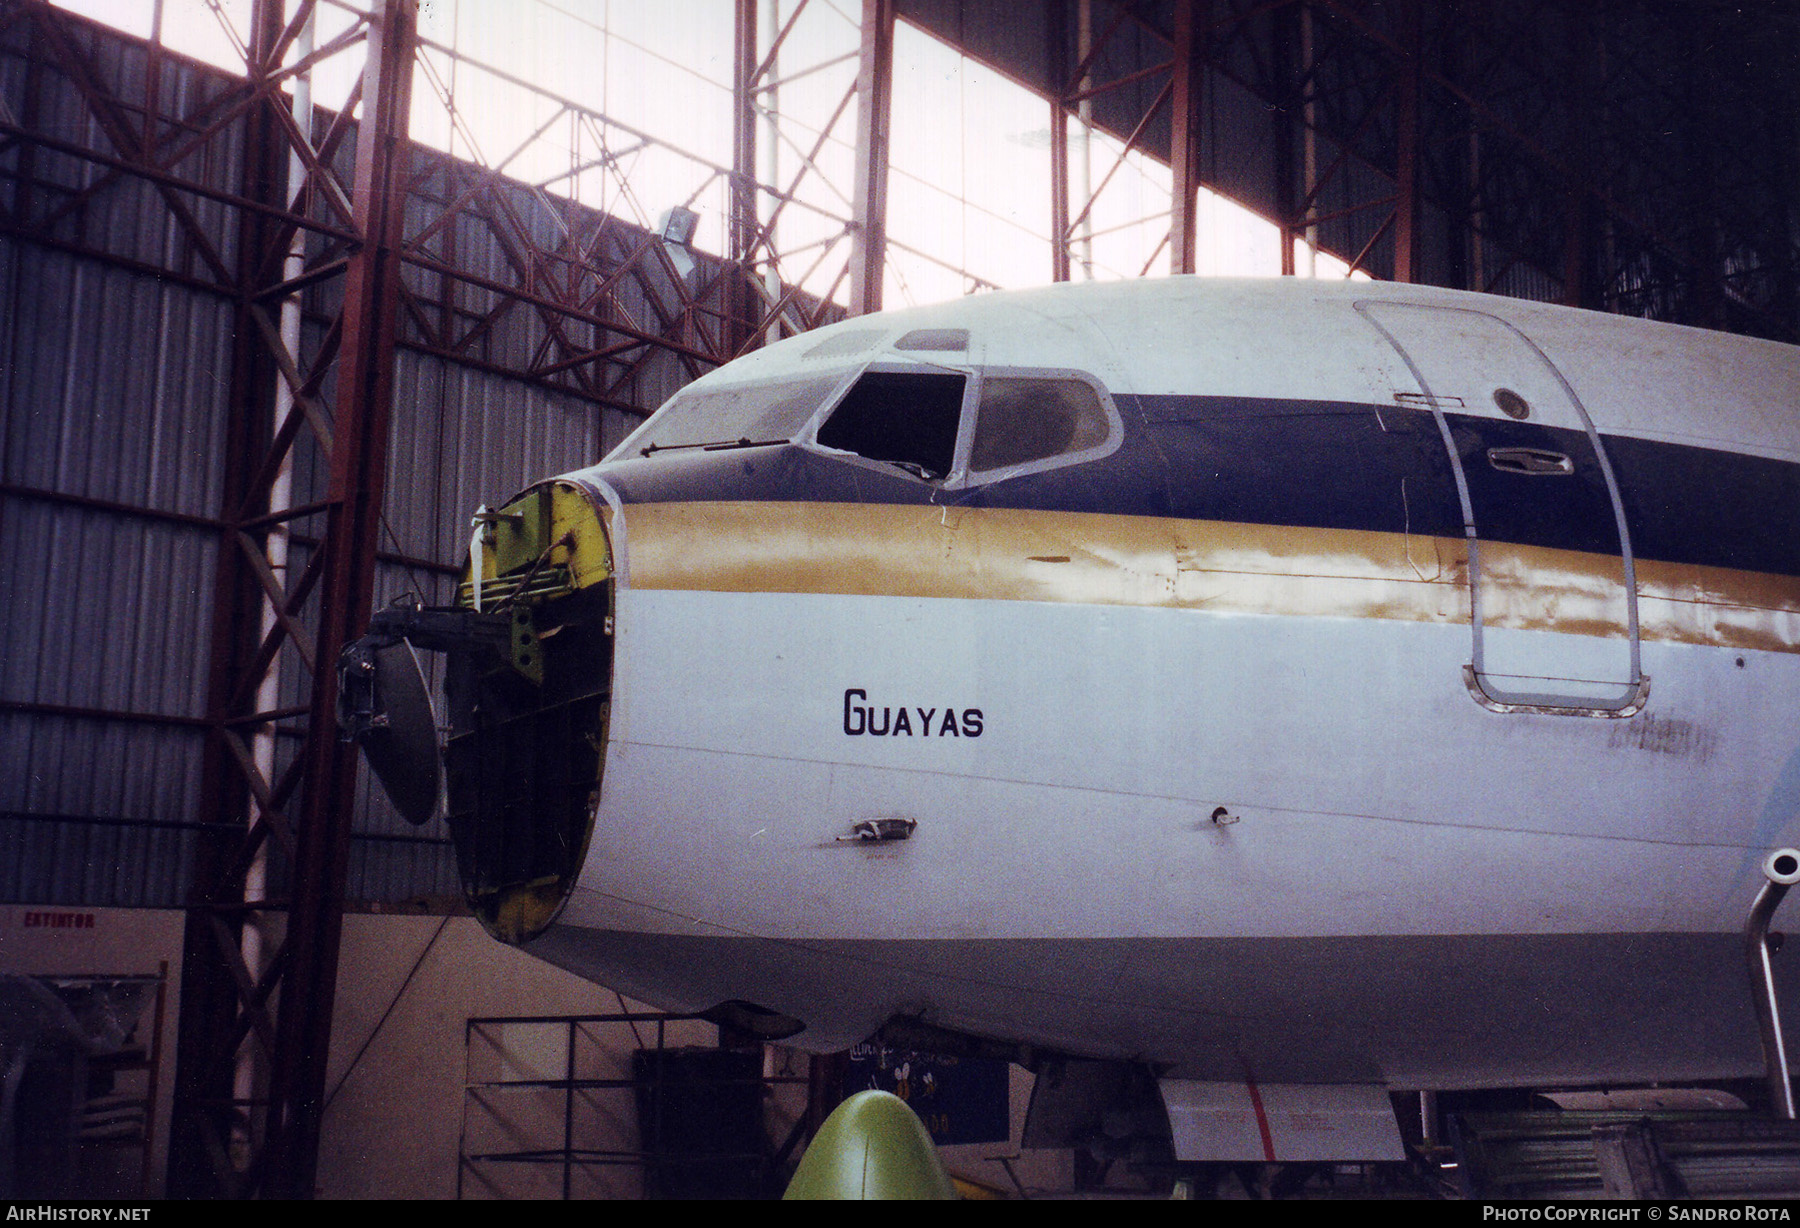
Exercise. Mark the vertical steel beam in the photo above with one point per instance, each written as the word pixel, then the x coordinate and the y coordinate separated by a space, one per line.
pixel 1285 115
pixel 765 94
pixel 868 215
pixel 1461 242
pixel 824 1088
pixel 358 478
pixel 205 1117
pixel 1406 141
pixel 1785 183
pixel 1056 35
pixel 1578 99
pixel 740 301
pixel 1184 142
pixel 1575 249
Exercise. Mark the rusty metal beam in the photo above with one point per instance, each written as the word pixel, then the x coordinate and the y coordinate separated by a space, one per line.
pixel 868 216
pixel 206 1116
pixel 743 316
pixel 358 480
pixel 109 115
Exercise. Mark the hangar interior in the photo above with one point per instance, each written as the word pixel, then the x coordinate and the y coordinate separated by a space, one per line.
pixel 290 287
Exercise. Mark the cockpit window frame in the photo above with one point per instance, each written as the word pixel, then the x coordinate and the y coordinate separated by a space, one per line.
pixel 893 365
pixel 975 376
pixel 847 375
pixel 1115 427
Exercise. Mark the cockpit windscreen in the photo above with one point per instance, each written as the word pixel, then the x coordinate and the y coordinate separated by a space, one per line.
pixel 733 415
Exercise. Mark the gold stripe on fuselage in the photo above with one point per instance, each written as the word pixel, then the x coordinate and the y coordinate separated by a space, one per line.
pixel 1013 555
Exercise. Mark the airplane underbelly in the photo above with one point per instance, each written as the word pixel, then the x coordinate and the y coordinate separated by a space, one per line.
pixel 1439 1012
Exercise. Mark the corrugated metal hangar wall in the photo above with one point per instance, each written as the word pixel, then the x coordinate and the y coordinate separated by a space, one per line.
pixel 116 400
pixel 201 494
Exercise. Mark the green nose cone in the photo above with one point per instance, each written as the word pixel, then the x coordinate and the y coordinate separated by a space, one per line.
pixel 872 1146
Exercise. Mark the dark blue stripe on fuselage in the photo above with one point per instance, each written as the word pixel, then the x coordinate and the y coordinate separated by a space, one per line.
pixel 1323 464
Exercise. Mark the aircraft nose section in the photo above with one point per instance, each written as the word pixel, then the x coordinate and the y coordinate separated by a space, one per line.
pixel 528 710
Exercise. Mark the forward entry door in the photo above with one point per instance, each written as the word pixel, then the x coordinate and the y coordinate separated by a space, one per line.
pixel 1552 588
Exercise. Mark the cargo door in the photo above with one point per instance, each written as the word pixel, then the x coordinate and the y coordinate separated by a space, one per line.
pixel 1553 593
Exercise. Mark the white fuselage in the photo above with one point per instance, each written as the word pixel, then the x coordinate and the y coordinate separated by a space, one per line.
pixel 1217 796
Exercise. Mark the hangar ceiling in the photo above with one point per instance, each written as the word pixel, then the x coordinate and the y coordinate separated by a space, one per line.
pixel 261 275
pixel 1637 156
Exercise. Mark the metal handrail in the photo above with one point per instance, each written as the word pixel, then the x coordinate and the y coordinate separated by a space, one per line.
pixel 1781 869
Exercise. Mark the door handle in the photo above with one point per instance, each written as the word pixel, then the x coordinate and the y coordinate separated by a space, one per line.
pixel 1533 462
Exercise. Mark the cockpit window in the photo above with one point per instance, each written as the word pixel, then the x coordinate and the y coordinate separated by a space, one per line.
pixel 1021 420
pixel 908 418
pixel 736 414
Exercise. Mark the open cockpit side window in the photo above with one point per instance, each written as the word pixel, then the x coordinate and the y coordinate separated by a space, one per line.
pixel 906 418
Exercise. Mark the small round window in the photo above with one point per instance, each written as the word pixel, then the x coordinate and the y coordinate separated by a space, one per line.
pixel 1512 404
